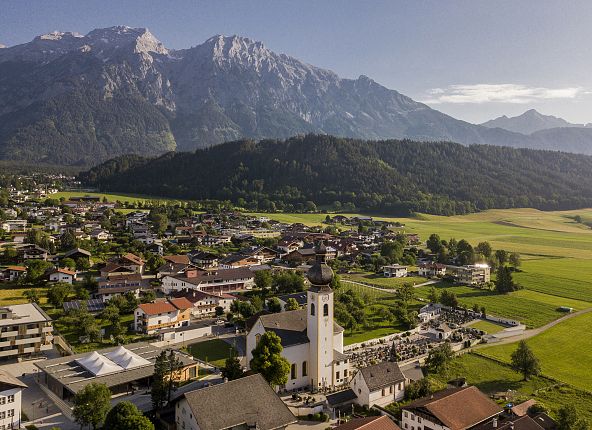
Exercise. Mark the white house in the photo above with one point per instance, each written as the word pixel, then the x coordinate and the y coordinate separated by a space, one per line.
pixel 149 318
pixel 394 271
pixel 312 341
pixel 62 275
pixel 10 401
pixel 451 409
pixel 431 269
pixel 379 384
pixel 215 281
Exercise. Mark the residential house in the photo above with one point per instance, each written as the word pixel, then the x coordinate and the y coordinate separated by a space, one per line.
pixel 431 269
pixel 149 318
pixel 62 275
pixel 379 384
pixel 476 274
pixel 203 259
pixel 394 271
pixel 25 330
pixel 381 422
pixel 451 409
pixel 10 401
pixel 205 304
pixel 254 405
pixel 218 281
pixel 12 273
pixel 119 285
pixel 14 225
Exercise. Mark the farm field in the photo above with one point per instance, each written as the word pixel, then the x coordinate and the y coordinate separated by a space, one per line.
pixel 564 351
pixel 213 351
pixel 491 377
pixel 124 198
pixel 14 296
pixel 487 327
pixel 381 281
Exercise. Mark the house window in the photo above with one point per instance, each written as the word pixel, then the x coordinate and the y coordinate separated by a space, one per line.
pixel 337 375
pixel 345 373
pixel 10 413
pixel 383 392
pixel 406 425
pixel 304 368
pixel 2 400
pixel 257 338
pixel 419 419
pixel 11 398
pixel 391 389
pixel 406 415
pixel 293 373
pixel 400 387
pixel 312 309
pixel 325 310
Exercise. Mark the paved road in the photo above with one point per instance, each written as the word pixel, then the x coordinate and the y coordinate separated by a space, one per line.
pixel 527 334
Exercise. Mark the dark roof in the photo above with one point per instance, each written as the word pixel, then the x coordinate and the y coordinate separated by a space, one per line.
pixel 254 403
pixel 299 297
pixel 412 371
pixel 457 408
pixel 341 397
pixel 521 423
pixel 76 251
pixel 7 381
pixel 290 326
pixel 381 375
pixel 545 421
pixel 369 423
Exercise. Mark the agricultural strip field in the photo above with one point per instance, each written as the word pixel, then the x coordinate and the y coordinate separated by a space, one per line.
pixel 565 351
pixel 492 377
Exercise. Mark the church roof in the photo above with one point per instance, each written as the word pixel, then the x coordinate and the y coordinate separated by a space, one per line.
pixel 382 374
pixel 290 326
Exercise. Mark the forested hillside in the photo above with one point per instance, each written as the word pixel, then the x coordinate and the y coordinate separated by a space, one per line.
pixel 394 176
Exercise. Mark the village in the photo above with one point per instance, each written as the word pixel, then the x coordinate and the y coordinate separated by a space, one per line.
pixel 230 303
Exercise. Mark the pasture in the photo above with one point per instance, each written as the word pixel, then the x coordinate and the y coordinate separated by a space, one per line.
pixel 564 351
pixel 382 282
pixel 124 198
pixel 492 377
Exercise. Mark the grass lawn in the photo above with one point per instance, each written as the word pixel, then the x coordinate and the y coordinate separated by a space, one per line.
pixel 213 351
pixel 565 351
pixel 130 198
pixel 487 326
pixel 492 377
pixel 14 295
pixel 383 282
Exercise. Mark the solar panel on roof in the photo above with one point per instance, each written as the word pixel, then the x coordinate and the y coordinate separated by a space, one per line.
pixel 92 305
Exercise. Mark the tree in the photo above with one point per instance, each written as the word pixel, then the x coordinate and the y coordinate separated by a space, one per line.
pixel 68 263
pixel 126 416
pixel 154 262
pixel 433 295
pixel 434 243
pixel 91 405
pixel 524 361
pixel 392 251
pixel 291 304
pixel 82 264
pixel 484 248
pixel 58 293
pixel 465 253
pixel 219 311
pixel 32 295
pixel 448 298
pixel 257 303
pixel 263 279
pixel 268 361
pixel 274 305
pixel 68 241
pixel 36 270
pixel 504 282
pixel 568 419
pixel 159 388
pixel 417 389
pixel 111 314
pixel 501 256
pixel 405 294
pixel 515 260
pixel 148 296
pixel 232 369
pixel 439 358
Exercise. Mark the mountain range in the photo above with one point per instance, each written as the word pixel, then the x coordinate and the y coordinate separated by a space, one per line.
pixel 530 122
pixel 72 99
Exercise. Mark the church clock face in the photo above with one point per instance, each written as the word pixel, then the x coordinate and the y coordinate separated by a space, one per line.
pixel 325 298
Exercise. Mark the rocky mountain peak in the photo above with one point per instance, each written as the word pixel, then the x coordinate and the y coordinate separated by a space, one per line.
pixel 141 40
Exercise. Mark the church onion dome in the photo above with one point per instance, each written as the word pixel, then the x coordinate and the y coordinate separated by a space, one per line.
pixel 320 274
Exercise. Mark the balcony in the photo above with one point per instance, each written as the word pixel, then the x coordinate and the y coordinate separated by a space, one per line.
pixel 11 333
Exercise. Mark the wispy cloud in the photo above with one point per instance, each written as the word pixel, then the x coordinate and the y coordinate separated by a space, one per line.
pixel 498 93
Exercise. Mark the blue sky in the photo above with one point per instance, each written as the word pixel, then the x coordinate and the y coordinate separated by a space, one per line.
pixel 472 59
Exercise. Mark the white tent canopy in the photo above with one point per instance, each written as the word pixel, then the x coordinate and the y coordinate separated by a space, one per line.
pixel 98 364
pixel 126 359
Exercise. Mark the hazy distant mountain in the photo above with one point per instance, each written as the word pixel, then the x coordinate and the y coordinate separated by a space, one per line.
pixel 66 98
pixel 529 122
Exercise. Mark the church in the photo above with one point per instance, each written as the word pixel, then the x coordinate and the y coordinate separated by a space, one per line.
pixel 312 340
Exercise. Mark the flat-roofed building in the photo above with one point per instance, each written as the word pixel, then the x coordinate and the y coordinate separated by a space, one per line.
pixel 123 369
pixel 475 274
pixel 24 330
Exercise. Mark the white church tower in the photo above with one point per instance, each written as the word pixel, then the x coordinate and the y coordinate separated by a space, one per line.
pixel 320 320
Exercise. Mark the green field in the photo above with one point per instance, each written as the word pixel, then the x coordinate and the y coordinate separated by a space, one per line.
pixel 565 351
pixel 492 377
pixel 14 295
pixel 124 198
pixel 487 326
pixel 382 282
pixel 213 351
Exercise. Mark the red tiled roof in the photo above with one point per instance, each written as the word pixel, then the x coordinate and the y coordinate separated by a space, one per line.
pixel 369 423
pixel 17 268
pixel 65 271
pixel 133 258
pixel 181 303
pixel 159 307
pixel 458 408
